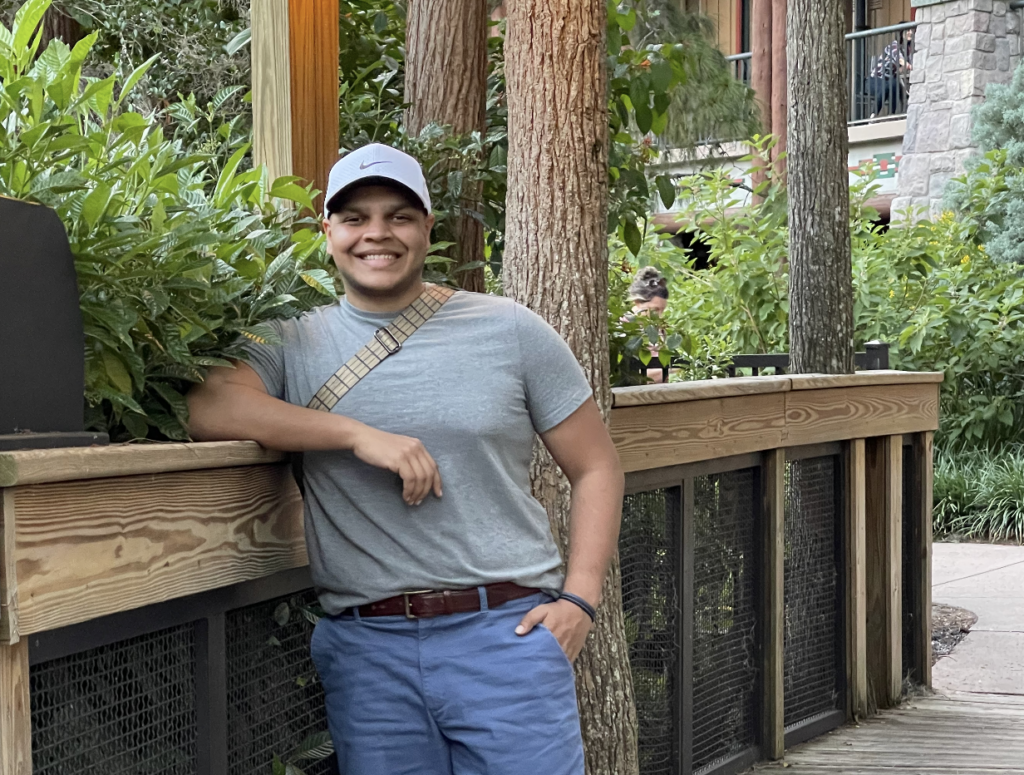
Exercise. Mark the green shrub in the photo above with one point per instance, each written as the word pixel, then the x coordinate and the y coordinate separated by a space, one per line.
pixel 940 300
pixel 177 259
pixel 980 496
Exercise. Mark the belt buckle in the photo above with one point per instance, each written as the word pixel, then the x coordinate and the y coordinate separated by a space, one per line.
pixel 408 603
pixel 391 348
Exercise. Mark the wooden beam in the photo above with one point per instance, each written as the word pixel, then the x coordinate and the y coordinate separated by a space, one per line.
pixel 313 51
pixel 920 557
pixel 271 87
pixel 779 111
pixel 855 585
pixel 35 466
pixel 761 57
pixel 884 498
pixel 656 436
pixel 95 547
pixel 8 569
pixel 894 567
pixel 773 710
pixel 15 711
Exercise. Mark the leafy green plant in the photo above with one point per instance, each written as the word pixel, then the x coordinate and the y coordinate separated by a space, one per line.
pixel 178 259
pixel 980 496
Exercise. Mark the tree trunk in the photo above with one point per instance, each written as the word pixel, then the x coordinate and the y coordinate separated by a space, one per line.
pixel 57 24
pixel 446 84
pixel 556 264
pixel 820 271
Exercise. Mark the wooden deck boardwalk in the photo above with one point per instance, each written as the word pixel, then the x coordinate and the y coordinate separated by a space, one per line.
pixel 962 734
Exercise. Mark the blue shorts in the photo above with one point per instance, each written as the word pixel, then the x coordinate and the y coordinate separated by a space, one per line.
pixel 452 695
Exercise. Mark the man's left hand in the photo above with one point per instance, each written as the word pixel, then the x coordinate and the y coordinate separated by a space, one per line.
pixel 567 622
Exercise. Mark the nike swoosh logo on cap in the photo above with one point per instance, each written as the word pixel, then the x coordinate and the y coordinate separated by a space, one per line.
pixel 364 165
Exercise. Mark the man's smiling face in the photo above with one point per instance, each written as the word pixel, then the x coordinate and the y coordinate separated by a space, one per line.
pixel 379 239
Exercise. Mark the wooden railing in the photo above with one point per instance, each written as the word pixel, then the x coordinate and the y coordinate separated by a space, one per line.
pixel 103 544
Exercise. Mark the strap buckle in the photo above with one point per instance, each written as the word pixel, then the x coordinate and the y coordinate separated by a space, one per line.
pixel 408 603
pixel 391 348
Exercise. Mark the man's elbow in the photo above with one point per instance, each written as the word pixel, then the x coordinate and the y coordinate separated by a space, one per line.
pixel 201 411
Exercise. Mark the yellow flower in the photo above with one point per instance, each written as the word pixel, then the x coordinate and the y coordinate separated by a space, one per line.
pixel 892 294
pixel 965 260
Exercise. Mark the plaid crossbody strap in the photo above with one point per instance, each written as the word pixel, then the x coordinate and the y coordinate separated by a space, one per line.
pixel 386 341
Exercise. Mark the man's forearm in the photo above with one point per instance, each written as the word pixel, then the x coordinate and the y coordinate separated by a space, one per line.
pixel 251 414
pixel 593 529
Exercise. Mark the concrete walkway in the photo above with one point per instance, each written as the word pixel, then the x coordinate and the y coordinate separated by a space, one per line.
pixel 988 580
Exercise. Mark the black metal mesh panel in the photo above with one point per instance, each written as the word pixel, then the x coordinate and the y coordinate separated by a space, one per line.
pixel 649 553
pixel 811 589
pixel 726 631
pixel 123 709
pixel 275 699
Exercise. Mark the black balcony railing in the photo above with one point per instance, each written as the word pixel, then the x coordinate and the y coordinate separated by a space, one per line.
pixel 879 63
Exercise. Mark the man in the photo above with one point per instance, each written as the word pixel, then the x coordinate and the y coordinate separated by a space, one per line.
pixel 446 649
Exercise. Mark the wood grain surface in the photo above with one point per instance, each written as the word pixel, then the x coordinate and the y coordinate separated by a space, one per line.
pixel 855 586
pixel 8 570
pixel 819 415
pixel 671 434
pixel 15 713
pixel 95 547
pixel 961 734
pixel 658 435
pixel 271 87
pixel 675 392
pixel 313 51
pixel 773 685
pixel 35 466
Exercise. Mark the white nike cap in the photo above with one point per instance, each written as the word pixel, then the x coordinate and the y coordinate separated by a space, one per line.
pixel 377 162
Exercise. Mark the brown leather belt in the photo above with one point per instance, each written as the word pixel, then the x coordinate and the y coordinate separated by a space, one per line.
pixel 424 604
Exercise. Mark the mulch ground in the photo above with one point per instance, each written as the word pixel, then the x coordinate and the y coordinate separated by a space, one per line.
pixel 950 625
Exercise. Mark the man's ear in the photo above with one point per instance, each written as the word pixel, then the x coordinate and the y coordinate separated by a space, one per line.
pixel 327 230
pixel 430 222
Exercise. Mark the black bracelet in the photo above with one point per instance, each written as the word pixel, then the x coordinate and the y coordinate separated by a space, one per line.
pixel 588 609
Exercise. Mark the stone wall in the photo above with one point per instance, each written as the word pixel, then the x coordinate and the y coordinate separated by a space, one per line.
pixel 960 47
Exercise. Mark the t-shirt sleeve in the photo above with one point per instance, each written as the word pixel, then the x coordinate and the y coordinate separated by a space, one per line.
pixel 267 360
pixel 555 384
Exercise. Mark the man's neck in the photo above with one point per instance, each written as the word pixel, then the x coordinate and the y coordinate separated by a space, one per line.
pixel 389 303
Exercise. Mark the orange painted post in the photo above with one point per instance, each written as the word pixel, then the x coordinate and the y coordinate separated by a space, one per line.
pixel 313 51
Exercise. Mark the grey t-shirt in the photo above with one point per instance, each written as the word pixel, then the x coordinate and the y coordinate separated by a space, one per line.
pixel 474 384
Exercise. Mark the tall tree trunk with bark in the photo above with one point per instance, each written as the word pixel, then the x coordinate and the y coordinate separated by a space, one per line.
pixel 446 83
pixel 820 271
pixel 57 24
pixel 555 262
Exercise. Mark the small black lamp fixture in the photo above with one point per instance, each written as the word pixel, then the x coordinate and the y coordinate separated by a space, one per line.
pixel 42 344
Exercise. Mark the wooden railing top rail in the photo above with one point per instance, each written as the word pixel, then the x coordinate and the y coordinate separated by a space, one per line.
pixel 76 463
pixel 646 395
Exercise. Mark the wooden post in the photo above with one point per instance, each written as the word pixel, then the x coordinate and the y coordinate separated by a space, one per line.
pixel 884 499
pixel 773 714
pixel 295 88
pixel 856 594
pixel 271 87
pixel 313 52
pixel 778 81
pixel 8 570
pixel 761 57
pixel 761 74
pixel 920 557
pixel 15 711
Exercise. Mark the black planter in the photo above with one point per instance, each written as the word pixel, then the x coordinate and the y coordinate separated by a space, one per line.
pixel 42 366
